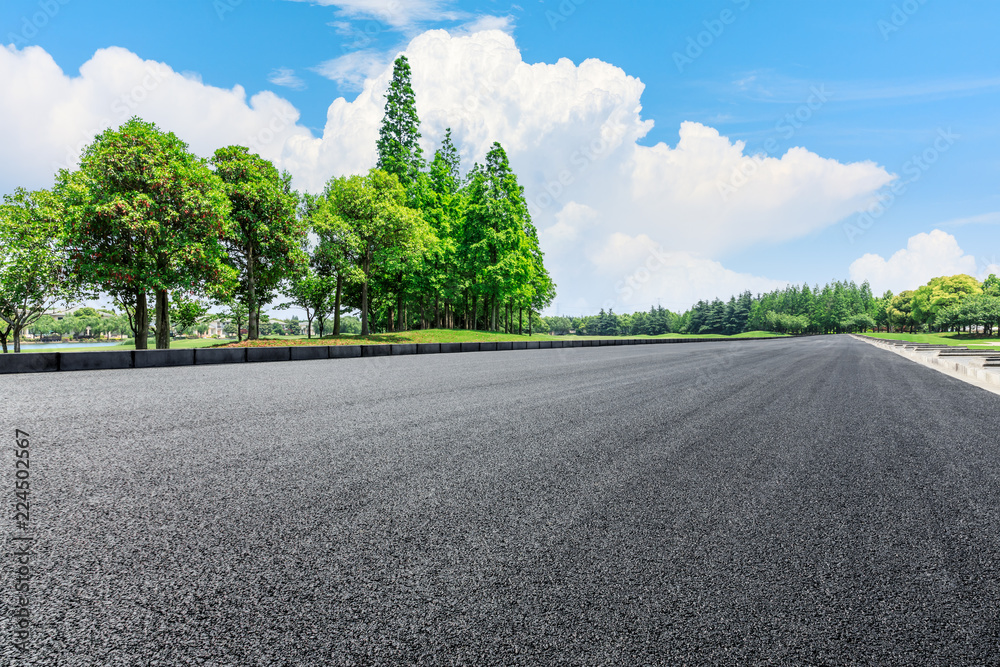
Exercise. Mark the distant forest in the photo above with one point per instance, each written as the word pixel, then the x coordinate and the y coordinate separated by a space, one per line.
pixel 948 303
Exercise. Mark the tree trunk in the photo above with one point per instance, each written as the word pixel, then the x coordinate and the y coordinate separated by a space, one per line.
pixel 309 326
pixel 520 321
pixel 141 331
pixel 389 322
pixel 399 312
pixel 16 332
pixel 529 321
pixel 3 340
pixel 437 311
pixel 162 319
pixel 336 305
pixel 364 296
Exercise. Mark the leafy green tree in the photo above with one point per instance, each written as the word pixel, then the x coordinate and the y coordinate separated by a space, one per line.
pixel 399 151
pixel 32 262
pixel 314 294
pixel 264 237
pixel 940 293
pixel 186 312
pixel 234 317
pixel 558 325
pixel 143 214
pixel 991 285
pixel 900 311
pixel 502 259
pixel 444 206
pixel 374 210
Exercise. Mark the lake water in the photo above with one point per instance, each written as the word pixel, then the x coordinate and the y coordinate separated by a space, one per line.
pixel 45 347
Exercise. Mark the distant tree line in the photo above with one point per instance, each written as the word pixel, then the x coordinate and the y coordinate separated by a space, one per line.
pixel 949 303
pixel 168 235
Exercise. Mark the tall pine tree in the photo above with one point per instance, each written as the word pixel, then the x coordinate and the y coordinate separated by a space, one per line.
pixel 399 151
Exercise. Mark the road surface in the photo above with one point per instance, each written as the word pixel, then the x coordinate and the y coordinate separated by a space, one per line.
pixel 808 501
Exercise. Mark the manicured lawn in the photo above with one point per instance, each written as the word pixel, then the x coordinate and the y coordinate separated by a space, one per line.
pixel 444 336
pixel 175 344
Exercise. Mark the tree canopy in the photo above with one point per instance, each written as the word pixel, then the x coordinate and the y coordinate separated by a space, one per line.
pixel 144 215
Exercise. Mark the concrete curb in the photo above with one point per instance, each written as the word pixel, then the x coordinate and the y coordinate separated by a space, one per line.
pixel 309 352
pixel 345 351
pixel 269 354
pixel 47 362
pixel 956 366
pixel 95 361
pixel 223 355
pixel 163 358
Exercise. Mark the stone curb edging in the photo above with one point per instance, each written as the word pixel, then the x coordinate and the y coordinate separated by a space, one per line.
pixel 49 362
pixel 985 378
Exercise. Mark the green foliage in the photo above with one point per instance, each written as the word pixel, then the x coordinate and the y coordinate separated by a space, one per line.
pixel 32 261
pixel 499 244
pixel 386 233
pixel 264 235
pixel 315 294
pixel 143 215
pixel 186 312
pixel 234 317
pixel 942 293
pixel 399 151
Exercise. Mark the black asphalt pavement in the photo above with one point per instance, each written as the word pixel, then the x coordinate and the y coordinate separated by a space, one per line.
pixel 808 501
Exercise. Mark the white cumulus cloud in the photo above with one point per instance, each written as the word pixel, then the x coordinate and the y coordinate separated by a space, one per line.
pixel 49 117
pixel 643 273
pixel 925 256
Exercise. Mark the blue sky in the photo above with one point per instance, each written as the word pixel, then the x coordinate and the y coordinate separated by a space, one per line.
pixel 907 88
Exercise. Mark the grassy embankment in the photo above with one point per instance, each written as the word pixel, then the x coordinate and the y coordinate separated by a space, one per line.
pixel 424 336
pixel 447 336
pixel 973 341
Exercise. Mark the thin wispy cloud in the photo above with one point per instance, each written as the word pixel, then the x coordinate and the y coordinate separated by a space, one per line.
pixel 399 14
pixel 285 77
pixel 481 23
pixel 765 86
pixel 350 71
pixel 992 218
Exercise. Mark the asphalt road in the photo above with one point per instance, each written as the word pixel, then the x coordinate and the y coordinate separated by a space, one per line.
pixel 811 501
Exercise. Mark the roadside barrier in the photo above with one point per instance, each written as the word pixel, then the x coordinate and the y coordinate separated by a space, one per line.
pixel 51 362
